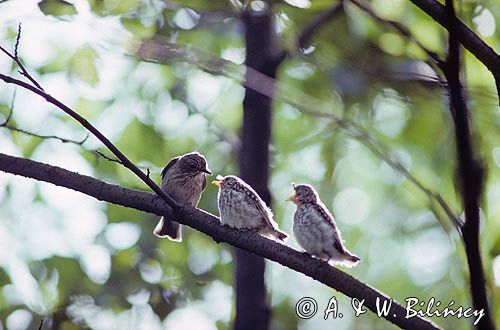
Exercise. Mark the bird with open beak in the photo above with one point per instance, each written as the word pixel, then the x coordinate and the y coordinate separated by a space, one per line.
pixel 183 179
pixel 315 229
pixel 241 207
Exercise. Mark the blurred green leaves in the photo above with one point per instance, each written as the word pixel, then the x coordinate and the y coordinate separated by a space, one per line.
pixel 355 68
pixel 112 7
pixel 135 26
pixel 57 8
pixel 139 140
pixel 82 65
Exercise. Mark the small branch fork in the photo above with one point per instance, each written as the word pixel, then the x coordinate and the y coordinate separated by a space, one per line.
pixel 10 127
pixel 36 88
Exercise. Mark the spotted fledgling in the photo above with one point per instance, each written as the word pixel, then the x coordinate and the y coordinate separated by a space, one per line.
pixel 183 179
pixel 315 229
pixel 241 207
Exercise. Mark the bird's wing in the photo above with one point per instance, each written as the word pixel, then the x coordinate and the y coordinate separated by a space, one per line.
pixel 323 211
pixel 169 165
pixel 254 200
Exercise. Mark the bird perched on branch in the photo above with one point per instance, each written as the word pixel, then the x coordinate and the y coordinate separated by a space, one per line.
pixel 241 207
pixel 315 229
pixel 183 179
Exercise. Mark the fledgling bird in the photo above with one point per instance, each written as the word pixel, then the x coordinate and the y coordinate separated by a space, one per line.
pixel 315 229
pixel 241 207
pixel 183 179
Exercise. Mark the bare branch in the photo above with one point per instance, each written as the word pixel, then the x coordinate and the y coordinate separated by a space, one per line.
pixel 18 38
pixel 470 40
pixel 126 162
pixel 308 32
pixel 210 225
pixel 401 29
pixel 111 159
pixel 41 136
pixel 6 125
pixel 360 134
pixel 322 19
pixel 16 59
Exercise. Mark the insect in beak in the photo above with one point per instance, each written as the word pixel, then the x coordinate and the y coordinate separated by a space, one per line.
pixel 292 198
pixel 217 183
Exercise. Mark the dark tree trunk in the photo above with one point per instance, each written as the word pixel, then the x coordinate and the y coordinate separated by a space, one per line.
pixel 470 172
pixel 252 310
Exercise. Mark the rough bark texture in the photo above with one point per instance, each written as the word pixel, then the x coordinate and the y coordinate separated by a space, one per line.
pixel 210 225
pixel 252 310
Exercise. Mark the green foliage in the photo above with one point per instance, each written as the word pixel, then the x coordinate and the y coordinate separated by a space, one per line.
pixel 57 8
pixel 356 69
pixel 82 65
pixel 112 7
pixel 135 26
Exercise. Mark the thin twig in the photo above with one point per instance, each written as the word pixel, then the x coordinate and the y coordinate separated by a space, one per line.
pixel 111 159
pixel 6 125
pixel 322 19
pixel 100 154
pixel 16 59
pixel 401 29
pixel 378 149
pixel 18 38
pixel 101 137
pixel 41 136
pixel 468 38
pixel 310 30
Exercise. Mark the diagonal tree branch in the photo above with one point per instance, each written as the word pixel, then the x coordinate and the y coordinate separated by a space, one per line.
pixel 310 30
pixel 123 159
pixel 210 225
pixel 470 172
pixel 322 19
pixel 465 36
pixel 37 89
pixel 434 59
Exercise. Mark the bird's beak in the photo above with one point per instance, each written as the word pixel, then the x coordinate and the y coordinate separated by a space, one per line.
pixel 217 183
pixel 292 198
pixel 206 170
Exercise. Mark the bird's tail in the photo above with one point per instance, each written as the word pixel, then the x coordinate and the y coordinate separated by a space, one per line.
pixel 169 229
pixel 350 260
pixel 278 234
pixel 346 259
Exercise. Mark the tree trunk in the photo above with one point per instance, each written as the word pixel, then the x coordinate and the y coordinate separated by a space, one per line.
pixel 252 310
